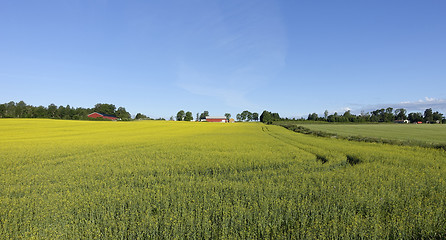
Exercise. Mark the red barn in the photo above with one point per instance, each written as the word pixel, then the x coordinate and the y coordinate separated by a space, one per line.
pixel 216 119
pixel 100 115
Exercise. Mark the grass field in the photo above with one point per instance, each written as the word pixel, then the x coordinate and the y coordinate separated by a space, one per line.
pixel 173 180
pixel 427 133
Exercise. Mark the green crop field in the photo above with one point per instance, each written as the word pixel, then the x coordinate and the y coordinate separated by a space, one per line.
pixel 427 133
pixel 63 179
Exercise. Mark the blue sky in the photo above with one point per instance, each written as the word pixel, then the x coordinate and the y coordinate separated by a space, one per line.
pixel 290 57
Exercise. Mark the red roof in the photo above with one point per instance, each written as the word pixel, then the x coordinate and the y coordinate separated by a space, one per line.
pixel 215 119
pixel 101 115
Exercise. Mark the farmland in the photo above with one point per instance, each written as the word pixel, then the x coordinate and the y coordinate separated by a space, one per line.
pixel 425 133
pixel 63 179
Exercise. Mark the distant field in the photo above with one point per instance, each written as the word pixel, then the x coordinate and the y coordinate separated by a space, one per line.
pixel 63 179
pixel 429 133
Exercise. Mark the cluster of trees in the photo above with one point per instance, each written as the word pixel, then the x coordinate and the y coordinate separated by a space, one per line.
pixel 244 116
pixel 110 109
pixel 247 116
pixel 184 116
pixel 187 116
pixel 269 117
pixel 23 110
pixel 381 115
pixel 428 116
pixel 140 116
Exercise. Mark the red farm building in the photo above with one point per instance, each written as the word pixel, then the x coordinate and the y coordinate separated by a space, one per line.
pixel 216 119
pixel 100 115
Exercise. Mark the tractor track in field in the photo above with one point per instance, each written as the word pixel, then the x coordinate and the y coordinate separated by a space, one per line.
pixel 320 155
pixel 288 141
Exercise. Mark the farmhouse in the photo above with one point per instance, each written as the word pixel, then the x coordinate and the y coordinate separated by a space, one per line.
pixel 216 119
pixel 101 115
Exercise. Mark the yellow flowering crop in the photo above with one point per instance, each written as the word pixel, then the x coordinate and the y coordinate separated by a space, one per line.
pixel 184 180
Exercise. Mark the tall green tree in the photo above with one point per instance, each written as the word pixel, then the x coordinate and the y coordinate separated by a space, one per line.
pixel 10 109
pixel 20 109
pixel 2 110
pixel 188 116
pixel 331 118
pixel 364 117
pixel 266 117
pixel 204 115
pixel 69 112
pixel 228 116
pixel 40 112
pixel 140 116
pixel 269 117
pixel 122 114
pixel 437 116
pixel 376 115
pixel 255 116
pixel 312 117
pixel 181 115
pixel 249 116
pixel 415 117
pixel 105 108
pixel 52 110
pixel 275 116
pixel 400 114
pixel 246 115
pixel 428 115
pixel 388 115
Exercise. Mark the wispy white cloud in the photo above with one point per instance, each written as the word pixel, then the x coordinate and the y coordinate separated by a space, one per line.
pixel 422 104
pixel 412 106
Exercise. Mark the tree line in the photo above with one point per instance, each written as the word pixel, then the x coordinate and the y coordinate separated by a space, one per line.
pixel 381 115
pixel 23 110
pixel 243 116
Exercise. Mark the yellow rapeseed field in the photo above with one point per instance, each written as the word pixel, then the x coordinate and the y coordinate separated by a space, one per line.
pixel 179 180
